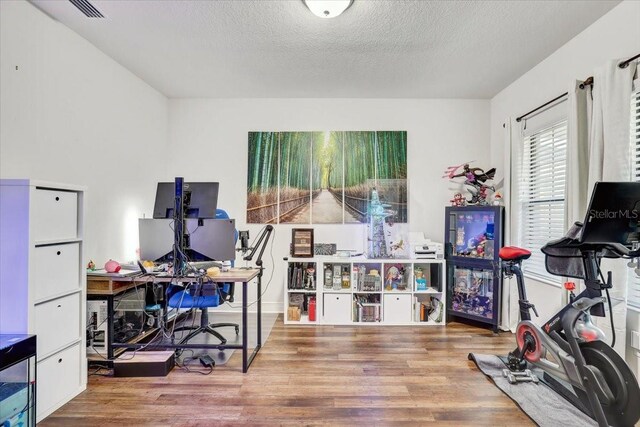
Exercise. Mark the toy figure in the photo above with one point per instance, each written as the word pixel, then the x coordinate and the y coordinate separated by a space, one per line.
pixel 421 282
pixel 310 273
pixel 91 266
pixel 475 179
pixel 458 200
pixel 497 199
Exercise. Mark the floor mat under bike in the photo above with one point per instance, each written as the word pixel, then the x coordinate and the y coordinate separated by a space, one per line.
pixel 542 404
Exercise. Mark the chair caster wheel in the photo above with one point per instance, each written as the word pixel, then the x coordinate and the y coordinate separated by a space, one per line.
pixel 237 330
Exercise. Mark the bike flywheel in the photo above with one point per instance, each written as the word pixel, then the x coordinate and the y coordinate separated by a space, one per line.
pixel 625 408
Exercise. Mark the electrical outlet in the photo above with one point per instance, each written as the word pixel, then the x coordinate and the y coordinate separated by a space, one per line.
pixel 635 340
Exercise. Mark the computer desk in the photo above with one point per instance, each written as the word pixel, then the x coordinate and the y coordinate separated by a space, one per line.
pixel 235 275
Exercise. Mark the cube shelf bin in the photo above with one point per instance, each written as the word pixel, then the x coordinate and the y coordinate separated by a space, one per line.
pixel 361 291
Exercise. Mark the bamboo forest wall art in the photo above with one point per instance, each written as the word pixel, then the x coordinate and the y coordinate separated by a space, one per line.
pixel 325 177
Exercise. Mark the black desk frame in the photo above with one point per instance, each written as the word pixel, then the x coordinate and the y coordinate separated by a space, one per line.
pixel 247 358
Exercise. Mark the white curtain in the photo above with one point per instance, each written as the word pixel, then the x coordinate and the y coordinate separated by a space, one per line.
pixel 609 134
pixel 509 316
pixel 578 123
pixel 609 161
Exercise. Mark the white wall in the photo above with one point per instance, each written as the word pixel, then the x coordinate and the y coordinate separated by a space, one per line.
pixel 211 137
pixel 615 35
pixel 69 113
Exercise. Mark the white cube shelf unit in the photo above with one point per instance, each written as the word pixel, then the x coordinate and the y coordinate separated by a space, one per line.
pixel 42 282
pixel 352 291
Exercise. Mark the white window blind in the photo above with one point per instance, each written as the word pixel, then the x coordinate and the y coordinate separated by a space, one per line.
pixel 634 280
pixel 543 176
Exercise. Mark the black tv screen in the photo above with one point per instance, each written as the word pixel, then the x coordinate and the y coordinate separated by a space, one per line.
pixel 200 199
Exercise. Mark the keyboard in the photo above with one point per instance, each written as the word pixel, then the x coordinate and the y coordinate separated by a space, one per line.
pixel 203 265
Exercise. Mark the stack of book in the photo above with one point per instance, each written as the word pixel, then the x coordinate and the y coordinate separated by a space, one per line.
pixel 301 275
pixel 430 309
pixel 366 308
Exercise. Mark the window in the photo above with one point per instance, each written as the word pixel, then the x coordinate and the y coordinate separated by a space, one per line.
pixel 634 281
pixel 544 160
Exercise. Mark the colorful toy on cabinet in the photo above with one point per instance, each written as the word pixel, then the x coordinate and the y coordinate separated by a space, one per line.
pixel 395 277
pixel 421 281
pixel 475 180
pixel 458 200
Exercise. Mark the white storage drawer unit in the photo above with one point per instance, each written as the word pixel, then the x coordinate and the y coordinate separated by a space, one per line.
pixel 58 377
pixel 57 323
pixel 56 270
pixel 55 215
pixel 42 282
pixel 397 308
pixel 337 307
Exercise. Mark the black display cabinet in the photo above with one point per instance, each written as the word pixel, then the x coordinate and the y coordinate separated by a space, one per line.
pixel 473 238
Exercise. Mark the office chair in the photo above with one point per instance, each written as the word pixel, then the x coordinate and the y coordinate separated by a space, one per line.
pixel 181 299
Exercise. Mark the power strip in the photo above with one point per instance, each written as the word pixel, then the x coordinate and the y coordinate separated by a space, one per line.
pixel 207 361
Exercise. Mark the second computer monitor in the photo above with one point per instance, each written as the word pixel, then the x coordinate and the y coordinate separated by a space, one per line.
pixel 209 239
pixel 201 199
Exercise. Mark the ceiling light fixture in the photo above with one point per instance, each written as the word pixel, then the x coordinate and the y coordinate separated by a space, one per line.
pixel 327 8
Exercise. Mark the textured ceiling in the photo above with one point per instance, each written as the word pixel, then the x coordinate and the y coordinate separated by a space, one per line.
pixel 376 49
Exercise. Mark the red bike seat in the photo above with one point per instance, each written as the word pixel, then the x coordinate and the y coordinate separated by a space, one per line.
pixel 512 253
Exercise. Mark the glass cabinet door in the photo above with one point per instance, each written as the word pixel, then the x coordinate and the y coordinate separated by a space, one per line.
pixel 471 233
pixel 472 292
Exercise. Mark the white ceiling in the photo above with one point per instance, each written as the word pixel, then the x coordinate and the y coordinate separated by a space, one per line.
pixel 376 49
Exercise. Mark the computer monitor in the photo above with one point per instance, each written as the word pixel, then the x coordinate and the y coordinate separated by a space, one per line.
pixel 614 214
pixel 209 239
pixel 200 199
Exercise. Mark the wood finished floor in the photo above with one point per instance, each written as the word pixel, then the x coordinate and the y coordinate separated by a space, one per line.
pixel 329 375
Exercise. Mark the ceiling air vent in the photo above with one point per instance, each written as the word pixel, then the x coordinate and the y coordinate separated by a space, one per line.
pixel 87 8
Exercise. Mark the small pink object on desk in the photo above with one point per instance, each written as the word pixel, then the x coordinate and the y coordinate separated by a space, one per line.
pixel 112 266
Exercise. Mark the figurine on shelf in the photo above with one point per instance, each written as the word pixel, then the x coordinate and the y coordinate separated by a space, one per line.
pixel 458 200
pixel 309 276
pixel 421 282
pixel 91 266
pixel 475 181
pixel 497 199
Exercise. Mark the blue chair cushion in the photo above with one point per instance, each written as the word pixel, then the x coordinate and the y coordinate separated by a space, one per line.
pixel 182 299
pixel 176 298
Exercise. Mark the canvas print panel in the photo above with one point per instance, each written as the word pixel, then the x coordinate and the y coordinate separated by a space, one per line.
pixel 380 155
pixel 327 175
pixel 262 185
pixel 295 176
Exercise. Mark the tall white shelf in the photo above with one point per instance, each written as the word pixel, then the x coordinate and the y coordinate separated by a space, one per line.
pixel 338 305
pixel 42 282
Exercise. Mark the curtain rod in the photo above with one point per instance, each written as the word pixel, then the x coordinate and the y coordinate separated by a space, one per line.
pixel 587 82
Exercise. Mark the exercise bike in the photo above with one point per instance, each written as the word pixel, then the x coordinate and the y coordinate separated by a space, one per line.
pixel 568 348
